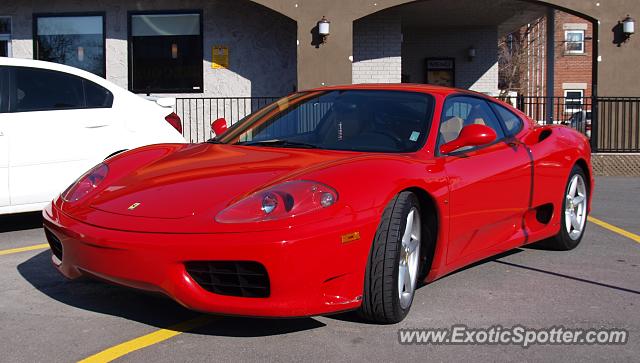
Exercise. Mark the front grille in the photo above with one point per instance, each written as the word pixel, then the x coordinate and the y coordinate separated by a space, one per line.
pixel 231 278
pixel 54 243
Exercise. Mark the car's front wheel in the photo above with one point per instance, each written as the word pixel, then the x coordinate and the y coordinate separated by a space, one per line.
pixel 394 261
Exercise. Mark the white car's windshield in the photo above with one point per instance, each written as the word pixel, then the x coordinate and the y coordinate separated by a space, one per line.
pixel 356 120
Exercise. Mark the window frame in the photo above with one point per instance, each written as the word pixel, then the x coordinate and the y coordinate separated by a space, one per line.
pixel 8 37
pixel 132 13
pixel 580 104
pixel 494 106
pixel 11 98
pixel 474 148
pixel 102 14
pixel 583 49
pixel 4 89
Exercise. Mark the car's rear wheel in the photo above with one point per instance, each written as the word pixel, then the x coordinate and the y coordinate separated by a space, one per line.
pixel 574 213
pixel 394 261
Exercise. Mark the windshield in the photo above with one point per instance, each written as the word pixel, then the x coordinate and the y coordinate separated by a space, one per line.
pixel 355 120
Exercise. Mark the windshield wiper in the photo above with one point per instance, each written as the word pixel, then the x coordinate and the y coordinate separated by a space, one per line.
pixel 213 141
pixel 279 143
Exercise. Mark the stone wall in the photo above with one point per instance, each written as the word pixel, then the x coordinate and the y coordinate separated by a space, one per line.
pixel 262 42
pixel 479 74
pixel 377 47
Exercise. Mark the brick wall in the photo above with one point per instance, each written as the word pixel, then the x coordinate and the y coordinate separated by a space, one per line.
pixel 572 70
pixel 377 45
pixel 480 74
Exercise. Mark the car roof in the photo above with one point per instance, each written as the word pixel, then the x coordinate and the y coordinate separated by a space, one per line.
pixel 21 62
pixel 407 87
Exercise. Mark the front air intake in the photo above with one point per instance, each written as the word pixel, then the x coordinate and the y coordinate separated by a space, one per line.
pixel 231 278
pixel 54 243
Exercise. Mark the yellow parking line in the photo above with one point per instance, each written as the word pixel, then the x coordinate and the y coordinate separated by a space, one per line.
pixel 23 249
pixel 615 229
pixel 144 341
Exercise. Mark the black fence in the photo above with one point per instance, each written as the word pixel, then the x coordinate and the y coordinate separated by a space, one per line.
pixel 198 113
pixel 612 123
pixel 617 128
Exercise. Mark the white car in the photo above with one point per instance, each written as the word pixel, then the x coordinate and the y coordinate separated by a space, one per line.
pixel 56 122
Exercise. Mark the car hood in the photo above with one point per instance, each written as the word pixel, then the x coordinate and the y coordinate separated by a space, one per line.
pixel 204 178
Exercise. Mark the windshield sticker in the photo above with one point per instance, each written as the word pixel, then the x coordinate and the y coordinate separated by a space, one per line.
pixel 414 136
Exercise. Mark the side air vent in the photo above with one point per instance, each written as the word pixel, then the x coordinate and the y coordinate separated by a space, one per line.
pixel 54 243
pixel 544 134
pixel 231 278
pixel 544 213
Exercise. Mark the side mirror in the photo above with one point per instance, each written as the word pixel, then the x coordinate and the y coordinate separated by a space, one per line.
pixel 219 126
pixel 470 135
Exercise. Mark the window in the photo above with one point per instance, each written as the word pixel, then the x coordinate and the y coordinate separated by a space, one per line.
pixel 43 90
pixel 573 100
pixel 5 36
pixel 574 41
pixel 460 111
pixel 77 41
pixel 513 123
pixel 356 120
pixel 165 53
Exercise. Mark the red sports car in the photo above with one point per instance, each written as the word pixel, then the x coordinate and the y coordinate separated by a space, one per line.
pixel 328 200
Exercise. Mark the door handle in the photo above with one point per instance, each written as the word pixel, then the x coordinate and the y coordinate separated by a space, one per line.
pixel 95 126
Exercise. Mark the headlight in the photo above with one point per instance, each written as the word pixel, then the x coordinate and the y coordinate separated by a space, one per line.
pixel 86 183
pixel 284 200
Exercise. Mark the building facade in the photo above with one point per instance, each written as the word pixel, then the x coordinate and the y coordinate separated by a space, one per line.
pixel 163 47
pixel 223 48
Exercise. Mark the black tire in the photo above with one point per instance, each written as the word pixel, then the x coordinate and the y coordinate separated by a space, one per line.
pixel 562 241
pixel 380 300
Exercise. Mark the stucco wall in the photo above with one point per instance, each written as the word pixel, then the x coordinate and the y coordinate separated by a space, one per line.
pixel 262 42
pixel 479 75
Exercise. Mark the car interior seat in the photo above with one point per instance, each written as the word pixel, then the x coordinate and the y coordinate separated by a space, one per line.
pixel 450 129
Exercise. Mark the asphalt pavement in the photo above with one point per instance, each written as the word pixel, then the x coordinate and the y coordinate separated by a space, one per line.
pixel 44 317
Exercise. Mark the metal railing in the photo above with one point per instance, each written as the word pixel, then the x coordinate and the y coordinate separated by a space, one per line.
pixel 617 125
pixel 612 123
pixel 198 113
pixel 561 111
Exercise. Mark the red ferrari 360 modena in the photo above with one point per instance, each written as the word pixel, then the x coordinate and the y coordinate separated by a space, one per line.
pixel 328 200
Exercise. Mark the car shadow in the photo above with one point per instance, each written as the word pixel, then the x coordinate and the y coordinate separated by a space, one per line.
pixel 20 222
pixel 152 309
pixel 352 316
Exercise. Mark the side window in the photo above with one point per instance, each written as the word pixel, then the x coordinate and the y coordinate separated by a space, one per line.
pixel 97 96
pixel 460 111
pixel 41 89
pixel 513 123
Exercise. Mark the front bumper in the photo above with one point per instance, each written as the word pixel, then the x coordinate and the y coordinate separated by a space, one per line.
pixel 310 270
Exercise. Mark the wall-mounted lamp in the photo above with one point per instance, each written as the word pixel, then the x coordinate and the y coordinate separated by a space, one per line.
pixel 471 53
pixel 323 29
pixel 80 54
pixel 628 26
pixel 174 51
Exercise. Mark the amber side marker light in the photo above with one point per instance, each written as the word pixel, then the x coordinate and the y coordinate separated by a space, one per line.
pixel 350 237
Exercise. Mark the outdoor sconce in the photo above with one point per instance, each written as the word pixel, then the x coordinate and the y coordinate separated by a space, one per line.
pixel 174 51
pixel 628 26
pixel 471 53
pixel 80 54
pixel 323 29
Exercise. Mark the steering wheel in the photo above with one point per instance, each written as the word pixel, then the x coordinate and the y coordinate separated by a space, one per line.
pixel 394 137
